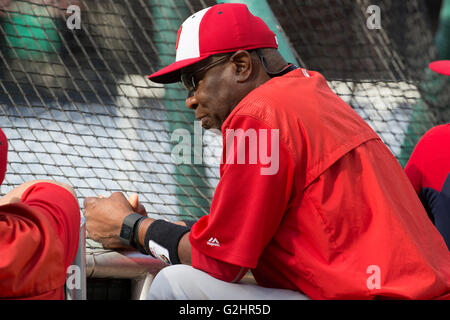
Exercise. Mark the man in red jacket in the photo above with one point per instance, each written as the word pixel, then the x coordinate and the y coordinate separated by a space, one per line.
pixel 309 199
pixel 39 229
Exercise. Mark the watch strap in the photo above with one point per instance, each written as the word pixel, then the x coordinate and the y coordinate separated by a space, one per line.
pixel 136 243
pixel 127 231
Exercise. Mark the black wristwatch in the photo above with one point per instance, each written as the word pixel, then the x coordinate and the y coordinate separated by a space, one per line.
pixel 127 231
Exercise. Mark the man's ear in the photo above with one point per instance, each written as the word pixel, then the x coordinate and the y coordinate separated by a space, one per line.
pixel 243 65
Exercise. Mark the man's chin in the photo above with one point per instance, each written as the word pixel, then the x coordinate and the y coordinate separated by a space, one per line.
pixel 206 124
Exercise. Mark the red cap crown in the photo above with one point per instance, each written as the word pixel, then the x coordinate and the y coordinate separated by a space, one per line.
pixel 218 29
pixel 442 67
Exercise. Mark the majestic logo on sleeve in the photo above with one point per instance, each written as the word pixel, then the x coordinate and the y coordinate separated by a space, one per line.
pixel 213 242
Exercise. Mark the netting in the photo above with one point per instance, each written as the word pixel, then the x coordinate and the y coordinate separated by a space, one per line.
pixel 77 107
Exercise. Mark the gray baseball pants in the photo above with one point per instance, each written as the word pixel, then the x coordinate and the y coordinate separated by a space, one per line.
pixel 183 282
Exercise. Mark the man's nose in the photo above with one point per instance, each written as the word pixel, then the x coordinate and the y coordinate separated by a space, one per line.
pixel 191 101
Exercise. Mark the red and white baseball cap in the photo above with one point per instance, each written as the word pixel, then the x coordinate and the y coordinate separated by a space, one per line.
pixel 441 66
pixel 222 28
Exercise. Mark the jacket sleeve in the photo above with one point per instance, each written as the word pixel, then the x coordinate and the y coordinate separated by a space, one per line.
pixel 38 241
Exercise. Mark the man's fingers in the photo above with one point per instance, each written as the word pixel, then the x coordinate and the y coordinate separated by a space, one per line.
pixel 134 201
pixel 141 209
pixel 89 201
pixel 117 195
pixel 104 216
pixel 88 235
pixel 137 207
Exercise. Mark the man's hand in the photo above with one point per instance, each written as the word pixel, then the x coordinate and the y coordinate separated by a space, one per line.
pixel 15 194
pixel 104 217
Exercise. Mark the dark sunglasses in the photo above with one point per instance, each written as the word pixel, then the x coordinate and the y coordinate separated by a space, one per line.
pixel 190 81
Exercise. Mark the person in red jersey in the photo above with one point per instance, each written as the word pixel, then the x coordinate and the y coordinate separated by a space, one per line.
pixel 310 200
pixel 428 168
pixel 429 171
pixel 39 230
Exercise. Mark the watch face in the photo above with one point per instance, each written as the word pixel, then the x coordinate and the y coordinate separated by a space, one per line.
pixel 126 232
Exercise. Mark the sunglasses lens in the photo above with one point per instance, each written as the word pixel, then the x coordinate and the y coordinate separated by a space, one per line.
pixel 187 82
pixel 190 81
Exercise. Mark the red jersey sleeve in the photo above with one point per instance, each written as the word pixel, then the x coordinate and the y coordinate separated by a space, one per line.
pixel 428 166
pixel 250 199
pixel 38 241
pixel 216 268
